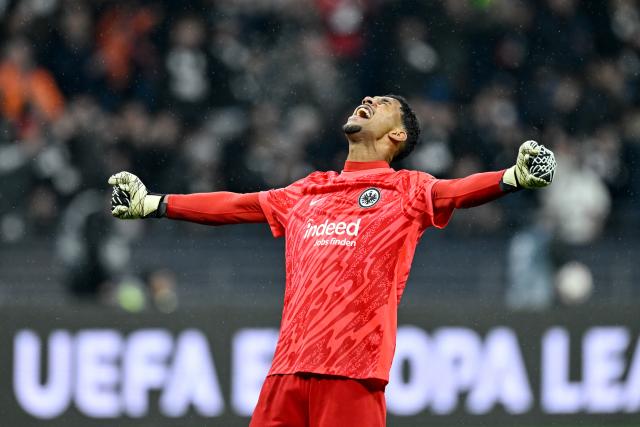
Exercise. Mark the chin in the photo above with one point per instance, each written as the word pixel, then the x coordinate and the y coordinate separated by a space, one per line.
pixel 351 128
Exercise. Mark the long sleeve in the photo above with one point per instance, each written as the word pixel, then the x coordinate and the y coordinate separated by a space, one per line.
pixel 216 208
pixel 473 190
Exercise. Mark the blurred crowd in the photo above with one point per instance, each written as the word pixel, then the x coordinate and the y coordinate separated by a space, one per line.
pixel 245 95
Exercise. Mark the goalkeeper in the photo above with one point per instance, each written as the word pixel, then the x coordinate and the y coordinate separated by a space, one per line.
pixel 350 240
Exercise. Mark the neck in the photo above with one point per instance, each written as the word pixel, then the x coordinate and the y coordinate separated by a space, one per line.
pixel 360 152
pixel 352 166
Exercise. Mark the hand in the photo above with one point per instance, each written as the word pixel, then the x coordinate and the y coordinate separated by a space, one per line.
pixel 130 198
pixel 534 168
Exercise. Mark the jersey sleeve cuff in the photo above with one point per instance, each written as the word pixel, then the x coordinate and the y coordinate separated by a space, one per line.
pixel 168 206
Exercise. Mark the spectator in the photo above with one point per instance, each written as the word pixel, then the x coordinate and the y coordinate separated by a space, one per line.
pixel 71 55
pixel 579 202
pixel 29 95
pixel 192 73
pixel 245 95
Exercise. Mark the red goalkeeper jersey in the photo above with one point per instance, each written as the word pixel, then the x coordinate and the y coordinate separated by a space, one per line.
pixel 350 240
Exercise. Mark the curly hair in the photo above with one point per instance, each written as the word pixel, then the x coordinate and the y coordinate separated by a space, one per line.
pixel 411 126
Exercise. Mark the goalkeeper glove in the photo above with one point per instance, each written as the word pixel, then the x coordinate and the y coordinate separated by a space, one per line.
pixel 534 168
pixel 131 200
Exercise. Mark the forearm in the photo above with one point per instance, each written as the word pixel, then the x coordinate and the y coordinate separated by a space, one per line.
pixel 473 190
pixel 216 208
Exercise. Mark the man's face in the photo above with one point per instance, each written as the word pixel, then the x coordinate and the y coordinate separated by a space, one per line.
pixel 374 118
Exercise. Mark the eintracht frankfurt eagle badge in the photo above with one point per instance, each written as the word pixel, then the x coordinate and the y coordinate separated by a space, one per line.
pixel 369 197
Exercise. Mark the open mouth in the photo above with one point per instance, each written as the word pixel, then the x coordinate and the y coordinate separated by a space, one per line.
pixel 364 111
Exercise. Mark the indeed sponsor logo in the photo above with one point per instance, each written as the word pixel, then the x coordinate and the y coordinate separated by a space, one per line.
pixel 330 228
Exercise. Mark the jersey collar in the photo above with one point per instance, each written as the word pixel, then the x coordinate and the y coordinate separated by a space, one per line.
pixel 351 166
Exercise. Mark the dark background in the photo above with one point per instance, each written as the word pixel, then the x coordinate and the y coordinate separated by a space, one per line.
pixel 245 96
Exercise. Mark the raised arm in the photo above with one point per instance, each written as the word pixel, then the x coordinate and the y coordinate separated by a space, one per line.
pixel 534 168
pixel 473 190
pixel 131 200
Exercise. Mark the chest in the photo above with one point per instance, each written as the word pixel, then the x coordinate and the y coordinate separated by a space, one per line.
pixel 343 216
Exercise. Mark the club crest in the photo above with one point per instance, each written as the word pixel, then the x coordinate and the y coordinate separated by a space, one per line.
pixel 369 197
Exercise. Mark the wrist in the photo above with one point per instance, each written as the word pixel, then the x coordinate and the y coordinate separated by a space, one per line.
pixel 509 180
pixel 151 205
pixel 161 212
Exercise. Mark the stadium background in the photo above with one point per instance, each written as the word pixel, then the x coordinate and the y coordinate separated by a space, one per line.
pixel 247 95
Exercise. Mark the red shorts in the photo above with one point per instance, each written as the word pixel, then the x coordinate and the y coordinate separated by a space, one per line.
pixel 310 400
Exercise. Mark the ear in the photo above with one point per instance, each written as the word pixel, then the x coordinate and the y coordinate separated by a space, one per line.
pixel 398 135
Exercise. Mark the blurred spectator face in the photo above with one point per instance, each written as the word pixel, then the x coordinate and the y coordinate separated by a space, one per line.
pixel 631 125
pixel 162 289
pixel 42 206
pixel 607 77
pixel 76 26
pixel 19 53
pixel 567 95
pixel 187 62
pixel 458 10
pixel 415 50
pixel 511 52
pixel 265 116
pixel 625 21
pixel 495 108
pixel 513 13
pixel 305 122
pixel 165 130
pixel 562 7
pixel 188 33
pixel 135 122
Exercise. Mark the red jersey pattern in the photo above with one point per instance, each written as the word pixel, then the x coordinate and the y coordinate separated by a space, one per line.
pixel 350 241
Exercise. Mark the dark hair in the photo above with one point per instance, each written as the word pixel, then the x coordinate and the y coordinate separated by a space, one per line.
pixel 411 126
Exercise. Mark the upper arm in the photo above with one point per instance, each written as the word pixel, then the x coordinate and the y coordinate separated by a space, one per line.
pixel 467 192
pixel 432 201
pixel 277 205
pixel 419 202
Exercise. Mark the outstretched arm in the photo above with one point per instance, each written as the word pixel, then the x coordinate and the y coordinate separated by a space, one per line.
pixel 215 208
pixel 534 168
pixel 131 200
pixel 473 190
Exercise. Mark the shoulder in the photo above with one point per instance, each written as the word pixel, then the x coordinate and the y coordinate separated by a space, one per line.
pixel 413 179
pixel 321 176
pixel 311 180
pixel 414 174
pixel 315 178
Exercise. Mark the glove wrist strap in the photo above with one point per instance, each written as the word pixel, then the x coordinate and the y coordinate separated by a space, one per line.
pixel 161 212
pixel 509 182
pixel 152 203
